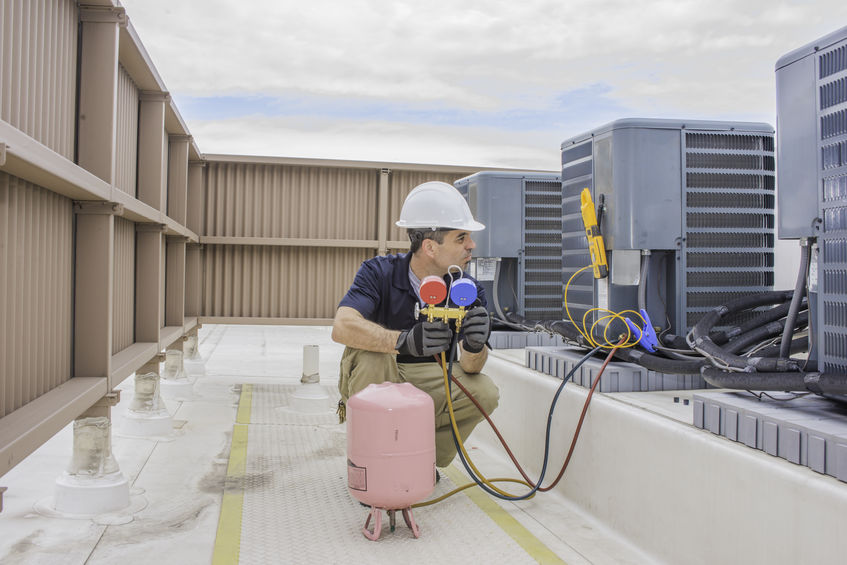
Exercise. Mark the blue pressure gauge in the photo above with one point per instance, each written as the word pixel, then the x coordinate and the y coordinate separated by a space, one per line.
pixel 463 292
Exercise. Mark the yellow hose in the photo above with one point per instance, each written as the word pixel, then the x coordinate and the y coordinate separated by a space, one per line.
pixel 586 333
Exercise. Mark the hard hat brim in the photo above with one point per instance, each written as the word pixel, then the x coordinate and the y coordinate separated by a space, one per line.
pixel 472 225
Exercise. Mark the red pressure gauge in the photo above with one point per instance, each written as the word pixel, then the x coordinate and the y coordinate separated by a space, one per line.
pixel 433 290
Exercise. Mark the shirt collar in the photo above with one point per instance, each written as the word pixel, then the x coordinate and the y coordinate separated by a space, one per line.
pixel 400 277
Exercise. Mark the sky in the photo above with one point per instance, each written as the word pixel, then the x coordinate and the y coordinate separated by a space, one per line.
pixel 479 83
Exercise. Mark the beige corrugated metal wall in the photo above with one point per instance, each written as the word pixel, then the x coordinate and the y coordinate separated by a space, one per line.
pixel 69 301
pixel 127 137
pixel 35 291
pixel 277 282
pixel 164 270
pixel 38 43
pixel 282 242
pixel 120 236
pixel 123 299
pixel 247 200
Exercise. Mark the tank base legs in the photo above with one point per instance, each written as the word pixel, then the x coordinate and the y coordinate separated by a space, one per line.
pixel 376 514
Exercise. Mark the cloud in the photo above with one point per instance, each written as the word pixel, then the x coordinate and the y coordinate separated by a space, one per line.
pixel 541 69
pixel 376 140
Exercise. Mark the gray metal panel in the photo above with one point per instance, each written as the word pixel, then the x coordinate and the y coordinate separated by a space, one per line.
pixel 495 200
pixel 811 48
pixel 797 148
pixel 523 218
pixel 619 377
pixel 699 192
pixel 520 340
pixel 812 113
pixel 656 123
pixel 645 192
pixel 809 431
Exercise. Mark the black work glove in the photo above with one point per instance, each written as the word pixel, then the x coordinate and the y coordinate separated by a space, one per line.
pixel 477 328
pixel 424 339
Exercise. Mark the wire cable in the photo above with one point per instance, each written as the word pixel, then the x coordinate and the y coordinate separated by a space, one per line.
pixel 485 483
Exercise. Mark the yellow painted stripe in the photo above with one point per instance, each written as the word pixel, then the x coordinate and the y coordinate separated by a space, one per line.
pixel 531 544
pixel 245 405
pixel 228 537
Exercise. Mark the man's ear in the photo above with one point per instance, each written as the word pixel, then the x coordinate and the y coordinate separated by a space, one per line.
pixel 428 247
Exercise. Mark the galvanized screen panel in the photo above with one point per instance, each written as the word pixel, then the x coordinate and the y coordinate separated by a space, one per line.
pixel 832 177
pixel 728 219
pixel 577 174
pixel 123 299
pixel 38 44
pixel 127 136
pixel 400 185
pixel 36 233
pixel 542 264
pixel 257 200
pixel 277 282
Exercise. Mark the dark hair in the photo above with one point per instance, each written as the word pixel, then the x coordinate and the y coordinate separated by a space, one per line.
pixel 416 237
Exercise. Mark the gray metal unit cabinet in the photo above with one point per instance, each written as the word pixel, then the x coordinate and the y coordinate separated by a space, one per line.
pixel 698 195
pixel 522 213
pixel 812 119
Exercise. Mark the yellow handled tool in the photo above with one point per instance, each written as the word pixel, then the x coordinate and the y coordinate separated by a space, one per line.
pixel 595 240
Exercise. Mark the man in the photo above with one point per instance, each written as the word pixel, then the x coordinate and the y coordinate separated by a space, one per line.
pixel 375 319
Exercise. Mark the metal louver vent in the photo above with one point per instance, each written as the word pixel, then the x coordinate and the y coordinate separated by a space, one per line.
pixel 834 124
pixel 729 200
pixel 542 270
pixel 729 259
pixel 833 61
pixel 833 93
pixel 726 252
pixel 832 113
pixel 576 175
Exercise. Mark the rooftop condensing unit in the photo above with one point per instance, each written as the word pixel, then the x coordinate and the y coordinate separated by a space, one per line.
pixel 521 246
pixel 686 210
pixel 811 92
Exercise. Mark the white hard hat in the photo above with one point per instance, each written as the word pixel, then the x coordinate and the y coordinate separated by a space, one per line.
pixel 435 204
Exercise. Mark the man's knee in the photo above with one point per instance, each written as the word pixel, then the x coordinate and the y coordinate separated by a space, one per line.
pixel 485 391
pixel 360 368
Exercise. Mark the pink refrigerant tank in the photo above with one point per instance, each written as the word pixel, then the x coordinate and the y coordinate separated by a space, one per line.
pixel 390 450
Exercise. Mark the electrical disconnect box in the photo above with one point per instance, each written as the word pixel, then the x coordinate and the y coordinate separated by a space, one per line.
pixel 811 95
pixel 518 257
pixel 686 209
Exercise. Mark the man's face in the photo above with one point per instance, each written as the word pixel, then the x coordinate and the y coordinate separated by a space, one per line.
pixel 456 249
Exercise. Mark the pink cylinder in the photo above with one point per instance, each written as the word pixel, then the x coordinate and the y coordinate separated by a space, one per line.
pixel 390 445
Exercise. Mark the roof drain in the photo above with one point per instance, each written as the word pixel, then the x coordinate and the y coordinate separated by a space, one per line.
pixel 310 396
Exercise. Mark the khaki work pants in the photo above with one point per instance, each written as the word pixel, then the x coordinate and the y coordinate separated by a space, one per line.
pixel 360 368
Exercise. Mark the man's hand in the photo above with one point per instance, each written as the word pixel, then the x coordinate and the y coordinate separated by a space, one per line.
pixel 424 339
pixel 477 328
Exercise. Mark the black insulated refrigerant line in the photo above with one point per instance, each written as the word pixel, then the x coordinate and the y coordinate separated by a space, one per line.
pixel 699 339
pixel 799 292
